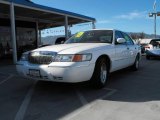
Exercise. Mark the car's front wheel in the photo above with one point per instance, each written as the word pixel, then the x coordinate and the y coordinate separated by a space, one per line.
pixel 135 66
pixel 100 75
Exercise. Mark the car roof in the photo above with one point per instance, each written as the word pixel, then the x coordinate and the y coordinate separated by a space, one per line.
pixel 156 39
pixel 147 41
pixel 102 29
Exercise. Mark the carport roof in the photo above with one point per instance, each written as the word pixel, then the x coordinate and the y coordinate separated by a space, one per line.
pixel 29 3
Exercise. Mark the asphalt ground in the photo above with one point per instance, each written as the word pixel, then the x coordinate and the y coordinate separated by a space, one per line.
pixel 129 95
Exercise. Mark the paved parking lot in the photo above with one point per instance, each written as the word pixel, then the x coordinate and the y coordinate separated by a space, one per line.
pixel 128 96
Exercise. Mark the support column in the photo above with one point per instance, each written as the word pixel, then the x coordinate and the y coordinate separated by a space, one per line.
pixel 37 34
pixel 66 27
pixel 13 33
pixel 155 29
pixel 40 41
pixel 93 25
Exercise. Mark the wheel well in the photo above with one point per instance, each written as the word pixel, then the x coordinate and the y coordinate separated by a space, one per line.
pixel 107 59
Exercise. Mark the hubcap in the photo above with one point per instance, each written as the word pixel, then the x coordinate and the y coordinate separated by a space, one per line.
pixel 103 73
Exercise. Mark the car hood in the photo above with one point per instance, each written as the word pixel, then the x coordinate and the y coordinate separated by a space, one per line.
pixel 73 48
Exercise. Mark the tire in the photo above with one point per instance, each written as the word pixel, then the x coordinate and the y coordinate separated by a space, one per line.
pixel 148 57
pixel 135 66
pixel 100 75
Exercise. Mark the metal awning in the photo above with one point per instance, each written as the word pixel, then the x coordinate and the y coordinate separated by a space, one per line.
pixel 46 16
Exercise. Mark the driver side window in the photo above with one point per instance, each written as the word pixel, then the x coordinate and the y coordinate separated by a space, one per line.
pixel 118 34
pixel 129 41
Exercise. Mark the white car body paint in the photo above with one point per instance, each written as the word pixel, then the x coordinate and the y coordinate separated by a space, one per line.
pixel 120 56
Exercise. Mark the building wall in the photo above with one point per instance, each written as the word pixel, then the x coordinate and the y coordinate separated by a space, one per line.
pixel 26 38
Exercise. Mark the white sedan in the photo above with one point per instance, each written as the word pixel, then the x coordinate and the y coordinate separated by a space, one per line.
pixel 89 55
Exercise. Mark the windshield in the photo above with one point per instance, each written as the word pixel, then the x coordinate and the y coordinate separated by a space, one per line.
pixel 94 36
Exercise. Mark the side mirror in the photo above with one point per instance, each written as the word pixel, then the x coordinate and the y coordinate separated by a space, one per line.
pixel 121 40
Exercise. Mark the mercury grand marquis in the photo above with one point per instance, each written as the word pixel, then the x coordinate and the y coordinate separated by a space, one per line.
pixel 87 56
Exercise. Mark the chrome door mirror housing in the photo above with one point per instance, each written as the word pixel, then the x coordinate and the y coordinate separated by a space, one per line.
pixel 121 40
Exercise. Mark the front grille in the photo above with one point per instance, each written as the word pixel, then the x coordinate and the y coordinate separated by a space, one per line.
pixel 41 57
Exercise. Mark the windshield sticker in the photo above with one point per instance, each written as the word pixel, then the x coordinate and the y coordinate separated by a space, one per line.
pixel 78 35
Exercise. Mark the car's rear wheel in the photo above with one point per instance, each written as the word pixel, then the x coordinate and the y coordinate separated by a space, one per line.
pixel 100 75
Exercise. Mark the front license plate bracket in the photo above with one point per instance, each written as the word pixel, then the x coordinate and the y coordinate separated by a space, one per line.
pixel 34 73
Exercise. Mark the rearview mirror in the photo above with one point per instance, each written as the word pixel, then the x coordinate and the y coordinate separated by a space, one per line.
pixel 121 40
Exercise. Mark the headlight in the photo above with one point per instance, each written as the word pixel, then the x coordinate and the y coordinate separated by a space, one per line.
pixel 24 57
pixel 73 58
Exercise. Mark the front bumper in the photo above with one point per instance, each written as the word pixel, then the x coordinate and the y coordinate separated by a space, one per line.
pixel 72 74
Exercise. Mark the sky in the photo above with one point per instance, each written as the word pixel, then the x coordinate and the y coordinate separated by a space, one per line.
pixel 125 15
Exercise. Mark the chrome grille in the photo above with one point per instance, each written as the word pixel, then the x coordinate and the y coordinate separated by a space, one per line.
pixel 40 57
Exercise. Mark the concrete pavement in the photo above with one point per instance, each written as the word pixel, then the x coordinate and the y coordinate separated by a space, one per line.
pixel 128 96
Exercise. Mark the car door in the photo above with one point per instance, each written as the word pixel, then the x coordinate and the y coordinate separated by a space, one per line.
pixel 131 49
pixel 121 53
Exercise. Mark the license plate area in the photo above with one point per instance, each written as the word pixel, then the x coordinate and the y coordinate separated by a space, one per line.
pixel 34 73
